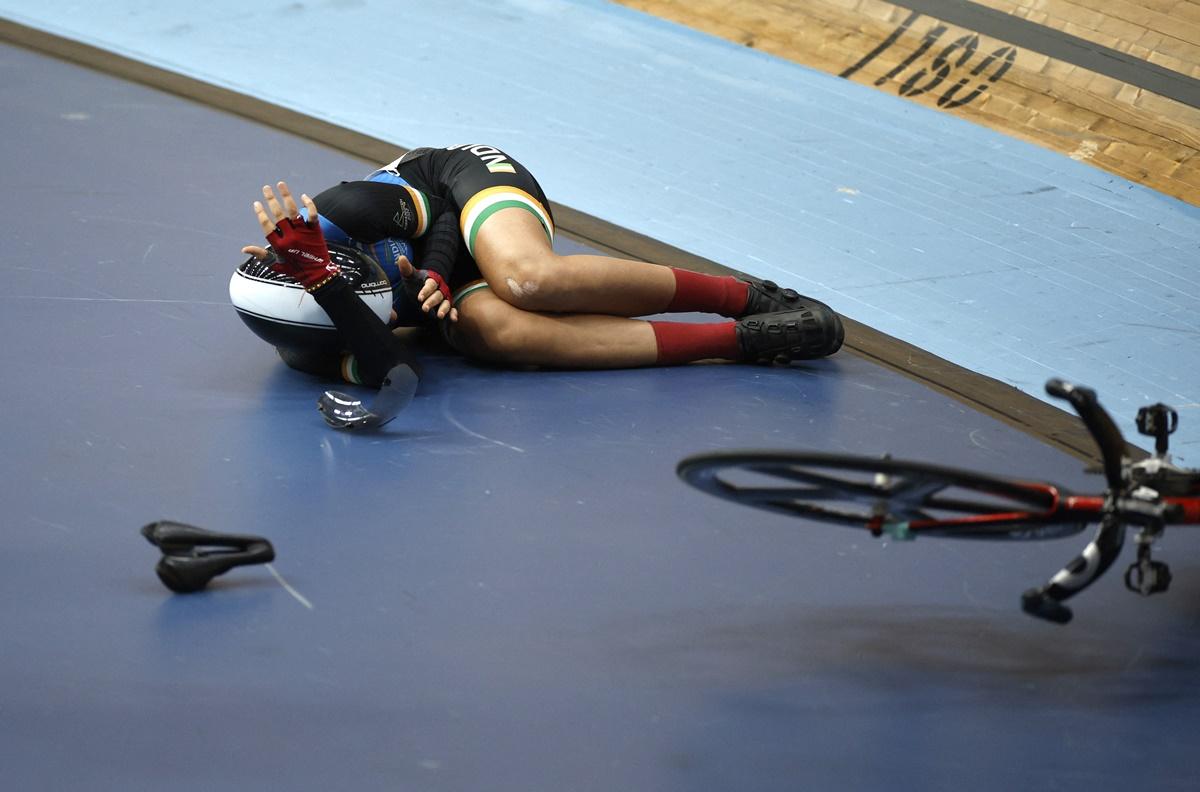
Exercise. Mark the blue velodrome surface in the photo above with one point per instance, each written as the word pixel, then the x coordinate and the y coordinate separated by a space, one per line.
pixel 508 589
pixel 1001 257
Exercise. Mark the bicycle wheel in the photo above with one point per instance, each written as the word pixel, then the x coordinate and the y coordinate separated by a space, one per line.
pixel 886 496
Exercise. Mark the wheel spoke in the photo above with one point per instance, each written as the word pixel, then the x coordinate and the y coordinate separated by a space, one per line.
pixel 843 517
pixel 901 499
pixel 914 489
pixel 825 481
pixel 756 495
pixel 864 491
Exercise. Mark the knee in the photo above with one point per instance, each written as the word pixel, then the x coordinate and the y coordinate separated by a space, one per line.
pixel 502 340
pixel 527 281
pixel 492 331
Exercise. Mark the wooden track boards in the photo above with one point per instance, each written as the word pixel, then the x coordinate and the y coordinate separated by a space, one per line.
pixel 1127 130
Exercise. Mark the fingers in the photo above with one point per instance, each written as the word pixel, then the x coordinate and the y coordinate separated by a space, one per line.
pixel 430 297
pixel 256 251
pixel 289 203
pixel 273 204
pixel 429 302
pixel 264 222
pixel 269 220
pixel 443 308
pixel 428 290
pixel 310 206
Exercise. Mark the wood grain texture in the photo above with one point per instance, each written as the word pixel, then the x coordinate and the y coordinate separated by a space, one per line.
pixel 1129 131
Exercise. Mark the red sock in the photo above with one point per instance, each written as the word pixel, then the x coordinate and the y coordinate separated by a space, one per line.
pixel 683 342
pixel 712 293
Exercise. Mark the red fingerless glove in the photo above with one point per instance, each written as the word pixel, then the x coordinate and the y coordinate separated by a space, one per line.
pixel 302 253
pixel 416 282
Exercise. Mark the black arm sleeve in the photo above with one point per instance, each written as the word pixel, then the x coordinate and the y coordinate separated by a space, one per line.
pixel 364 333
pixel 371 211
pixel 438 249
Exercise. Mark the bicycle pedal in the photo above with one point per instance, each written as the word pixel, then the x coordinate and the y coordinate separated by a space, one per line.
pixel 1157 421
pixel 1148 577
pixel 1157 418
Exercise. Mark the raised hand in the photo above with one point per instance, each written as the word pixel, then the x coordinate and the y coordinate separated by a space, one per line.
pixel 298 244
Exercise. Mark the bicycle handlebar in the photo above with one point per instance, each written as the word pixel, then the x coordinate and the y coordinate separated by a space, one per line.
pixel 1122 505
pixel 1098 422
pixel 1047 602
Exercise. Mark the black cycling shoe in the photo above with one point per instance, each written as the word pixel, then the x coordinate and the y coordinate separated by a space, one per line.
pixel 766 296
pixel 811 331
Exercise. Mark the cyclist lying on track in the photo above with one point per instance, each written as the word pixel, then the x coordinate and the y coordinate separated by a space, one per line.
pixel 482 231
